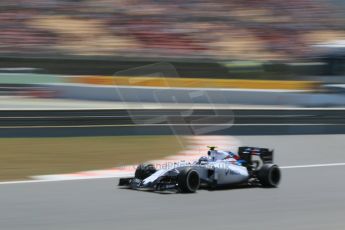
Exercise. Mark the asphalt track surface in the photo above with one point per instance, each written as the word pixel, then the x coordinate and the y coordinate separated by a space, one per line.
pixel 308 198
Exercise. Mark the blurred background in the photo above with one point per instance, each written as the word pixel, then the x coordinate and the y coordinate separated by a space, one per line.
pixel 265 40
pixel 255 30
pixel 217 31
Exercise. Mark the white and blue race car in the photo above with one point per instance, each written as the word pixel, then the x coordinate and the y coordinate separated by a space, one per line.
pixel 252 166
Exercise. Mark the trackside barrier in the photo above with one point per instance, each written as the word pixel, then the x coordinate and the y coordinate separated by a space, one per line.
pixel 192 95
pixel 195 82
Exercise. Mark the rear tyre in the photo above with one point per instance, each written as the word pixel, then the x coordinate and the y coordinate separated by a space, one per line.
pixel 188 180
pixel 143 171
pixel 269 175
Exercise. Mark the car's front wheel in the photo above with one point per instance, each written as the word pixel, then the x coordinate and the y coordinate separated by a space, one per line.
pixel 188 180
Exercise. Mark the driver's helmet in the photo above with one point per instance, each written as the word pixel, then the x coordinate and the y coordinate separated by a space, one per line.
pixel 203 159
pixel 218 155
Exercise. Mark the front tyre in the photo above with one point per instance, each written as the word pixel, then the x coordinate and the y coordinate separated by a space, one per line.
pixel 269 175
pixel 188 180
pixel 143 171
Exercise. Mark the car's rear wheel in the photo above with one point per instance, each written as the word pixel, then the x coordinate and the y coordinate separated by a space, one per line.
pixel 188 180
pixel 269 175
pixel 143 171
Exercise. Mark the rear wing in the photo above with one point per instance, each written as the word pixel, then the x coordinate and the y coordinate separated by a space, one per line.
pixel 247 153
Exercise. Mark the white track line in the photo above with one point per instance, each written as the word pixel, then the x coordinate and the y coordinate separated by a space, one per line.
pixel 312 166
pixel 103 177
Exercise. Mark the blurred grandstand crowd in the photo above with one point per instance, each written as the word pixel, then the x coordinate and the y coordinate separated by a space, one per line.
pixel 237 29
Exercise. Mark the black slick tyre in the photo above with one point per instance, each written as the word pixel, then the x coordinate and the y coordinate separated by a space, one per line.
pixel 188 180
pixel 269 175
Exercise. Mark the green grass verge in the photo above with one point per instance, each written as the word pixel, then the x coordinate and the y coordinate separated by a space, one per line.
pixel 23 157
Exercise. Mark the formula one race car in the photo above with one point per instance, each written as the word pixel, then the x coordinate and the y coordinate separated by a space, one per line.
pixel 251 166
